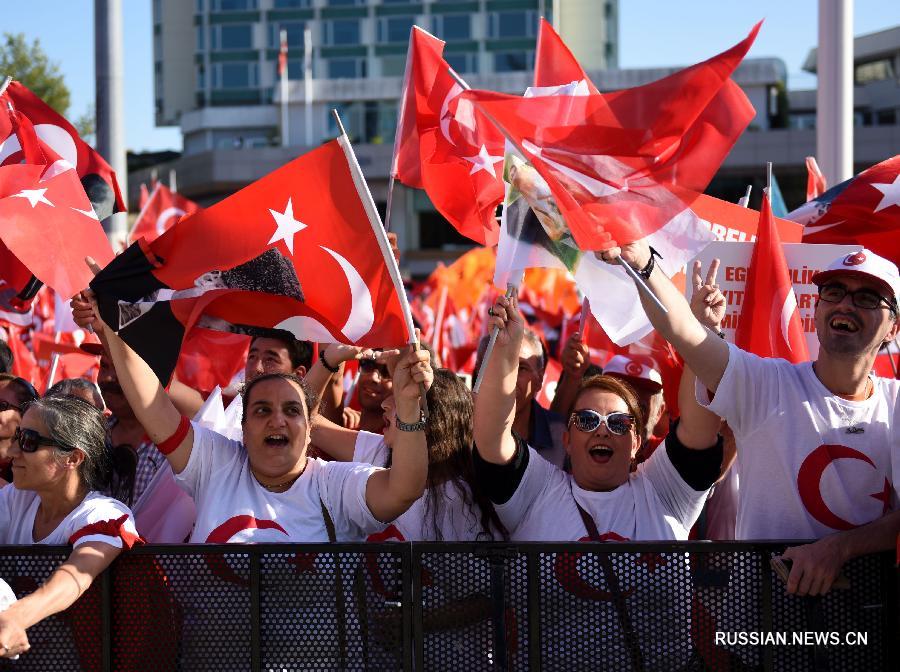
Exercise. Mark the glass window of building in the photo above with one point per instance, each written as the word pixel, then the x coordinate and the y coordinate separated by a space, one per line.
pixel 462 62
pixel 231 36
pixel 343 3
pixel 295 68
pixel 200 78
pixel 387 120
pixel 393 65
pixel 395 28
pixel 341 32
pixel 290 4
pixel 239 75
pixel 233 5
pixel 294 31
pixel 513 61
pixel 201 38
pixel 346 68
pixel 450 27
pixel 157 11
pixel 512 24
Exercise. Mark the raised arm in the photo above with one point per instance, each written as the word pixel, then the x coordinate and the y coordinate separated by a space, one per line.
pixel 148 399
pixel 576 358
pixel 390 492
pixel 495 403
pixel 56 594
pixel 703 351
pixel 699 427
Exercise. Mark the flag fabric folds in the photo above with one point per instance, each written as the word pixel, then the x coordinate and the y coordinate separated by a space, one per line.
pixel 162 210
pixel 446 147
pixel 621 165
pixel 864 210
pixel 770 319
pixel 57 134
pixel 294 251
pixel 815 180
pixel 554 64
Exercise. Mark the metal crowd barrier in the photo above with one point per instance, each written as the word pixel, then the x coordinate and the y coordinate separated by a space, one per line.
pixel 450 606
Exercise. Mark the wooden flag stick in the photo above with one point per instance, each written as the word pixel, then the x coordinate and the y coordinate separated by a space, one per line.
pixel 511 291
pixel 362 188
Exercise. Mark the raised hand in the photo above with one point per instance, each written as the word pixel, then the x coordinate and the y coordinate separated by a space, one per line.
pixel 411 370
pixel 707 303
pixel 505 316
pixel 576 356
pixel 636 254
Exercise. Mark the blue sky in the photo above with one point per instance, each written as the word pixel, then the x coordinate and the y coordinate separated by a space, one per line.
pixel 651 33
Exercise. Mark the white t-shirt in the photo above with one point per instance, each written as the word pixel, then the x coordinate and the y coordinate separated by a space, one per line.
pixel 803 476
pixel 96 519
pixel 232 507
pixel 455 520
pixel 655 504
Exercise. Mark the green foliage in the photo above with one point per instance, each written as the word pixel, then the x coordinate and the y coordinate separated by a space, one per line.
pixel 28 64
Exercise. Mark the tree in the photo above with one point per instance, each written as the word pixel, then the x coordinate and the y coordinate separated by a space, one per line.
pixel 31 66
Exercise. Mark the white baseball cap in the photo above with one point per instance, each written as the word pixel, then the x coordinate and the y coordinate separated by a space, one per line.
pixel 865 262
pixel 631 369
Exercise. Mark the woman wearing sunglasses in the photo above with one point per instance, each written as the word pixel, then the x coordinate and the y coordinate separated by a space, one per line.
pixel 603 499
pixel 59 461
pixel 15 394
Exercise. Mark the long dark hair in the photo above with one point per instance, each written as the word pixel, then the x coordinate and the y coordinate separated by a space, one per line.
pixel 448 434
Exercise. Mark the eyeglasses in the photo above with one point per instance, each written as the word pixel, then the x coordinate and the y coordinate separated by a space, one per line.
pixel 6 406
pixel 861 298
pixel 588 420
pixel 30 440
pixel 371 366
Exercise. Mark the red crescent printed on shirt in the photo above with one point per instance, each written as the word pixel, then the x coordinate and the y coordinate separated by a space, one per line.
pixel 565 569
pixel 223 535
pixel 109 528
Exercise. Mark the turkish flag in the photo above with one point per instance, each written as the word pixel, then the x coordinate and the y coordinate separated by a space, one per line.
pixel 162 210
pixel 143 197
pixel 295 251
pixel 56 133
pixel 622 165
pixel 554 64
pixel 770 320
pixel 445 146
pixel 864 210
pixel 47 222
pixel 209 358
pixel 815 180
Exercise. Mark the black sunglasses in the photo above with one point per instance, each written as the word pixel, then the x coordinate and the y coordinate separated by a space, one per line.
pixel 861 298
pixel 30 440
pixel 371 366
pixel 588 420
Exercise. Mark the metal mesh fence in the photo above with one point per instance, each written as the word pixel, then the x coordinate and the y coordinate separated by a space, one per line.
pixel 680 607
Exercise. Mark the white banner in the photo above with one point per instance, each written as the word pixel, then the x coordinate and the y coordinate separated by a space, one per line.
pixel 803 261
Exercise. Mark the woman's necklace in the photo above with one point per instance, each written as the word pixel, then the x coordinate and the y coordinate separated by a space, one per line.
pixel 280 487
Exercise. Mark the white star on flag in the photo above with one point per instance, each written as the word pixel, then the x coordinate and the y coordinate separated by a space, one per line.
pixel 286 226
pixel 483 161
pixel 891 193
pixel 34 196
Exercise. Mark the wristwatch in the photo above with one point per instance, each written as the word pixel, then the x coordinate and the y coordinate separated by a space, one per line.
pixel 411 426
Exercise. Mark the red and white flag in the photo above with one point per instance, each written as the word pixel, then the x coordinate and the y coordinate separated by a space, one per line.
pixel 815 180
pixel 445 146
pixel 864 210
pixel 162 211
pixel 298 251
pixel 554 64
pixel 56 134
pixel 770 319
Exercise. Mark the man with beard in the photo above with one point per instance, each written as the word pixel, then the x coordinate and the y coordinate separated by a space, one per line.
pixel 814 440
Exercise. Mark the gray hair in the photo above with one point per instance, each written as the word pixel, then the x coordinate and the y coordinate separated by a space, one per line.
pixel 75 423
pixel 71 386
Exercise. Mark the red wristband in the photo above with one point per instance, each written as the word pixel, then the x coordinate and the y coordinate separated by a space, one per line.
pixel 170 444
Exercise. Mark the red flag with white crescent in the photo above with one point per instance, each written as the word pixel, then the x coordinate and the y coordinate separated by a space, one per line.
pixel 770 319
pixel 294 251
pixel 554 64
pixel 162 211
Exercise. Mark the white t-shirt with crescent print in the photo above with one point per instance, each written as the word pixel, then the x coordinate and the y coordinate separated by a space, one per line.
pixel 232 507
pixel 803 475
pixel 96 519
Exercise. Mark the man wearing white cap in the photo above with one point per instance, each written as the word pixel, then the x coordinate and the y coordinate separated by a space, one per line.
pixel 814 440
pixel 647 383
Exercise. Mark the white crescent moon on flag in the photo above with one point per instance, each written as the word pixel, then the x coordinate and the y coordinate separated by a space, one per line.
pixel 9 147
pixel 787 310
pixel 362 312
pixel 58 139
pixel 464 115
pixel 165 216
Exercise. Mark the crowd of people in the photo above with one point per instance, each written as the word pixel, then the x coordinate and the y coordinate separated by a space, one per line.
pixel 421 458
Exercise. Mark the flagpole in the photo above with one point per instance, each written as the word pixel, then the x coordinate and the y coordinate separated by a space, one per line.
pixel 284 87
pixel 744 201
pixel 308 85
pixel 368 202
pixel 638 280
pixel 585 311
pixel 6 83
pixel 390 200
pixel 511 291
pixel 54 362
pixel 173 185
pixel 891 359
